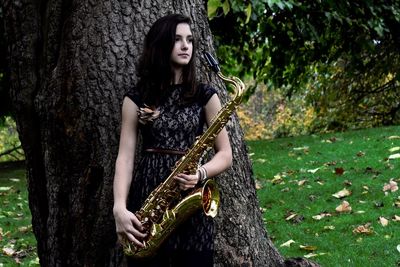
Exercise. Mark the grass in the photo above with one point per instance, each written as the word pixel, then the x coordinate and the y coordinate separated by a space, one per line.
pixel 297 177
pixel 17 242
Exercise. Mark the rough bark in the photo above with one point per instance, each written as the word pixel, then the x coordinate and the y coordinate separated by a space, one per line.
pixel 71 62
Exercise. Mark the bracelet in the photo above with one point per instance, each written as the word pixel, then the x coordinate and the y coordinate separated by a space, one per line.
pixel 201 174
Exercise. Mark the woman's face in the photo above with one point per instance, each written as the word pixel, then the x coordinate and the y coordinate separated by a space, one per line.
pixel 183 47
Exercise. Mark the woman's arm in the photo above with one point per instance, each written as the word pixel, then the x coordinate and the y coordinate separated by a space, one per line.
pixel 222 159
pixel 127 225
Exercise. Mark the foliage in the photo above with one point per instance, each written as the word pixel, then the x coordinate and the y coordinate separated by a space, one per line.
pixel 269 114
pixel 301 184
pixel 10 146
pixel 342 54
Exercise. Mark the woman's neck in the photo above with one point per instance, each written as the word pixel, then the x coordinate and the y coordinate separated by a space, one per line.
pixel 177 76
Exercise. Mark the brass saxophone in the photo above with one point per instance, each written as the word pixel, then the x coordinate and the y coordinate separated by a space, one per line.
pixel 166 207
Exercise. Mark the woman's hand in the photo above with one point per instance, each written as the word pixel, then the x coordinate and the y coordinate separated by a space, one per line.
pixel 128 227
pixel 187 181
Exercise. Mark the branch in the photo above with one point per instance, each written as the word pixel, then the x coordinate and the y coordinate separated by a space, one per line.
pixel 7 152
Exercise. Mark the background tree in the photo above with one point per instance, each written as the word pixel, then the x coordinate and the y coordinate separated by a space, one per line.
pixel 343 55
pixel 71 62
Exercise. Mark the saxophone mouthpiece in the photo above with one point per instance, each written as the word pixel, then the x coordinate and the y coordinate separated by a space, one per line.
pixel 212 62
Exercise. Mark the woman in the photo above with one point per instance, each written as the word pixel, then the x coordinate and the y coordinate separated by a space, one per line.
pixel 170 108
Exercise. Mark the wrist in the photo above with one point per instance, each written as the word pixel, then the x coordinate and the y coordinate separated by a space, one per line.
pixel 201 174
pixel 118 207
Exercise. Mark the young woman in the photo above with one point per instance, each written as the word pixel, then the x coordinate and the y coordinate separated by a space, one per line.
pixel 170 108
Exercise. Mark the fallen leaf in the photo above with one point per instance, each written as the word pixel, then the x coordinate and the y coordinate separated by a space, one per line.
pixel 394 149
pixel 392 186
pixel 396 218
pixel 398 248
pixel 321 215
pixel 347 183
pixel 394 156
pixel 339 171
pixel 258 184
pixel 301 148
pixel 5 188
pixel 8 251
pixel 24 229
pixel 301 182
pixel 344 207
pixel 342 193
pixel 291 216
pixel 311 255
pixel 383 221
pixel 277 179
pixel 261 160
pixel 360 154
pixel 313 170
pixel 394 137
pixel 363 229
pixel 308 248
pixel 288 243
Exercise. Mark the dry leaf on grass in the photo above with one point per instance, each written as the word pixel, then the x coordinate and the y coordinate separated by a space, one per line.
pixel 311 255
pixel 394 149
pixel 344 207
pixel 392 186
pixel 342 193
pixel 288 243
pixel 339 171
pixel 8 251
pixel 313 170
pixel 308 248
pixel 321 215
pixel 301 182
pixel 396 218
pixel 394 156
pixel 383 221
pixel 364 229
pixel 258 184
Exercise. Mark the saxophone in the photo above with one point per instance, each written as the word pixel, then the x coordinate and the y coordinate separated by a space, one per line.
pixel 166 207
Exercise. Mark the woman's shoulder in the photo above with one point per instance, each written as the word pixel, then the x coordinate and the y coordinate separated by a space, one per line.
pixel 135 95
pixel 205 92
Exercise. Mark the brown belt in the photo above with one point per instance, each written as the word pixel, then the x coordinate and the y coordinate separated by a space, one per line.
pixel 165 151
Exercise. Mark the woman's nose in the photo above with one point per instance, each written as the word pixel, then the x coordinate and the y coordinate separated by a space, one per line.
pixel 185 45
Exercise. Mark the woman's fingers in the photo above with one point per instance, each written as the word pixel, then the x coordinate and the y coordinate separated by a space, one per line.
pixel 186 181
pixel 129 228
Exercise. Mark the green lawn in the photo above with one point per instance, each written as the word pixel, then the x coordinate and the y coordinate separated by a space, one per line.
pixel 297 177
pixel 17 242
pixel 296 180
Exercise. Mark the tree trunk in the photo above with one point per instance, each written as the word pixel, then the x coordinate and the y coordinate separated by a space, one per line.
pixel 71 62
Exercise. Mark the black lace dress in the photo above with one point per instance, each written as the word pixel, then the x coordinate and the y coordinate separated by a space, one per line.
pixel 176 128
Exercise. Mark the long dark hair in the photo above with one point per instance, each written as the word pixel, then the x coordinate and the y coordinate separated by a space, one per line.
pixel 155 70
